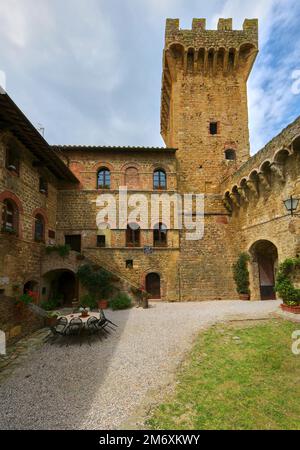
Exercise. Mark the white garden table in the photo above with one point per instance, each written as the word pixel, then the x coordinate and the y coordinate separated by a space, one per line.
pixel 69 317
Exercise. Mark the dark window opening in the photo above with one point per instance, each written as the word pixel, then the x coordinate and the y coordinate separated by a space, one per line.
pixel 103 179
pixel 39 228
pixel 101 241
pixel 160 235
pixel 159 179
pixel 43 186
pixel 213 128
pixel 44 290
pixel 10 219
pixel 74 241
pixel 51 234
pixel 12 160
pixel 133 236
pixel 129 263
pixel 230 154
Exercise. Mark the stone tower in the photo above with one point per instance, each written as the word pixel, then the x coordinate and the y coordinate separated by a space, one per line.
pixel 204 115
pixel 204 99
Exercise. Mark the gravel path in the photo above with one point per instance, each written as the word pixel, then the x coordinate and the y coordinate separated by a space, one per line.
pixel 101 386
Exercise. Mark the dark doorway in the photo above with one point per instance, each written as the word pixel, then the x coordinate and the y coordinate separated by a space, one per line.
pixel 266 256
pixel 153 285
pixel 62 286
pixel 74 241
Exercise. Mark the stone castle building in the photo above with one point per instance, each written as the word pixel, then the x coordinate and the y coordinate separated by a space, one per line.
pixel 48 193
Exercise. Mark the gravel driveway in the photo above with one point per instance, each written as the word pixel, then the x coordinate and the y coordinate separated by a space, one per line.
pixel 102 385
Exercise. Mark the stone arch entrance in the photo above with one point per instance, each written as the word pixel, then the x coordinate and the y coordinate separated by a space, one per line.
pixel 264 260
pixel 153 285
pixel 60 284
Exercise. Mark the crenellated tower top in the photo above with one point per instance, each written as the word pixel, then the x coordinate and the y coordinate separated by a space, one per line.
pixel 209 53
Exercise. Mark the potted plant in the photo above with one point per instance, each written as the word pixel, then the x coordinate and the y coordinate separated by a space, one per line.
pixel 285 287
pixel 241 276
pixel 51 318
pixel 97 282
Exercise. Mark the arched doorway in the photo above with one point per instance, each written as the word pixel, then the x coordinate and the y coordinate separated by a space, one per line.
pixel 30 285
pixel 153 285
pixel 264 261
pixel 60 285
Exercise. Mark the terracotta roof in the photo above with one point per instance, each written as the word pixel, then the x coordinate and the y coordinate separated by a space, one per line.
pixel 114 148
pixel 12 119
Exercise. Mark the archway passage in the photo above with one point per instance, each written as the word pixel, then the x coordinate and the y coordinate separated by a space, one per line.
pixel 265 255
pixel 153 285
pixel 61 285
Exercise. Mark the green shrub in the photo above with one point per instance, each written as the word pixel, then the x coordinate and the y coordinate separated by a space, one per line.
pixel 51 304
pixel 96 281
pixel 25 298
pixel 120 301
pixel 88 301
pixel 284 286
pixel 241 274
pixel 62 250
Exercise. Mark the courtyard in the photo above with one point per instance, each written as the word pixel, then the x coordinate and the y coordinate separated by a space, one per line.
pixel 113 383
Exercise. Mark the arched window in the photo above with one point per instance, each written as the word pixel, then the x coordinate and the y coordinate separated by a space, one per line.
pixel 160 235
pixel 133 235
pixel 39 228
pixel 10 218
pixel 132 178
pixel 103 178
pixel 159 179
pixel 230 154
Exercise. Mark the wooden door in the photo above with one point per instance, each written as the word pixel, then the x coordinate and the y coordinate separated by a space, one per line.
pixel 153 285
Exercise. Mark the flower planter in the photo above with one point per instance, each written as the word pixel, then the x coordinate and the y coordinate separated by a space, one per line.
pixel 103 304
pixel 51 321
pixel 290 309
pixel 244 296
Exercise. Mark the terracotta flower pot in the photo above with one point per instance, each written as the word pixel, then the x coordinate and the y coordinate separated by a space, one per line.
pixel 103 304
pixel 51 321
pixel 290 309
pixel 244 296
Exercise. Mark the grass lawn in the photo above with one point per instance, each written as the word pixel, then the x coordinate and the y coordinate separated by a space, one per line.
pixel 227 383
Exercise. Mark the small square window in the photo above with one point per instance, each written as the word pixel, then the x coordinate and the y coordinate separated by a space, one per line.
pixel 129 264
pixel 213 128
pixel 101 242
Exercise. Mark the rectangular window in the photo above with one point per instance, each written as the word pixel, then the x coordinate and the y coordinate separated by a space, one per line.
pixel 213 128
pixel 74 241
pixel 12 160
pixel 43 186
pixel 51 234
pixel 129 264
pixel 101 241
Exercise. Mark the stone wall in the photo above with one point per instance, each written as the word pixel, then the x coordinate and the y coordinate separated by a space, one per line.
pixel 16 321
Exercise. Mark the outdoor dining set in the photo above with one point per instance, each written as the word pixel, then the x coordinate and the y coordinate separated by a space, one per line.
pixel 81 326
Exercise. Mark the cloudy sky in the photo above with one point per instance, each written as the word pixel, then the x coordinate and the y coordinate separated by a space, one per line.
pixel 90 70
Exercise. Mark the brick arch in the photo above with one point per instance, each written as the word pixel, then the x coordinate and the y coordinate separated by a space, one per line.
pixel 132 181
pixel 98 165
pixel 8 195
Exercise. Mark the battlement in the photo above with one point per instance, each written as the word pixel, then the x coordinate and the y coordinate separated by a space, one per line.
pixel 200 37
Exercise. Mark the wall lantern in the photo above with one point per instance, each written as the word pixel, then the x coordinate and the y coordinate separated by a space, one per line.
pixel 291 204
